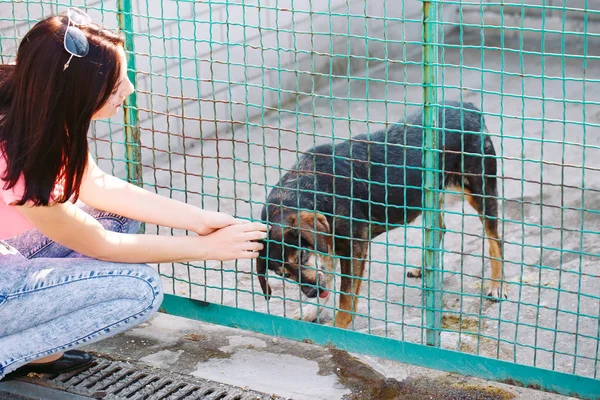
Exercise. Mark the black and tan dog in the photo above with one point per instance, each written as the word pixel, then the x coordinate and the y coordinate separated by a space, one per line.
pixel 339 197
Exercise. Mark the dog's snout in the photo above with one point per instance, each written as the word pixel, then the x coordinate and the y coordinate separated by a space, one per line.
pixel 316 288
pixel 321 280
pixel 311 292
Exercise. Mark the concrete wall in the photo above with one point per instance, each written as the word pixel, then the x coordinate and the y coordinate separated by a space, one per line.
pixel 574 9
pixel 550 19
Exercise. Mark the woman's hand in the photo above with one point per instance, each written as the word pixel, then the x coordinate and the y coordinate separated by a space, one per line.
pixel 210 221
pixel 70 226
pixel 236 241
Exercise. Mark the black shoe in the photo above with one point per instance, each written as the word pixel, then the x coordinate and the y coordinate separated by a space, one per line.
pixel 70 361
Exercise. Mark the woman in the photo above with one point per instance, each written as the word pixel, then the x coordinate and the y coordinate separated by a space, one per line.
pixel 72 275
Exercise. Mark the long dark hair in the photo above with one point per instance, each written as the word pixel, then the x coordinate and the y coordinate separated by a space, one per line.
pixel 45 112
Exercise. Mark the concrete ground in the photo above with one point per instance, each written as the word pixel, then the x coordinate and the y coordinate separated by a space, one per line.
pixel 290 369
pixel 287 369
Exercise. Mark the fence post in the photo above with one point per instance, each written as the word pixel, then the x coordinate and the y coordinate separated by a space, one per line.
pixel 133 154
pixel 431 253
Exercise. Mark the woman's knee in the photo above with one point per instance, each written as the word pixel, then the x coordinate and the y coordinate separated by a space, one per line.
pixel 117 223
pixel 68 286
pixel 113 222
pixel 137 290
pixel 130 226
pixel 154 291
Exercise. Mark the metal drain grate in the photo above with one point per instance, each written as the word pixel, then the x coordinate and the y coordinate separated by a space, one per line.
pixel 116 380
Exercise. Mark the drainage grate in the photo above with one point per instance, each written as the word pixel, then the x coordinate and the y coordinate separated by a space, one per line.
pixel 116 380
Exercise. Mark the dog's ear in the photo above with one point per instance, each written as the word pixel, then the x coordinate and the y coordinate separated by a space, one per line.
pixel 261 270
pixel 314 228
pixel 261 263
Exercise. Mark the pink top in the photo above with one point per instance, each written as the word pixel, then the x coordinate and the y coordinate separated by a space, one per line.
pixel 12 222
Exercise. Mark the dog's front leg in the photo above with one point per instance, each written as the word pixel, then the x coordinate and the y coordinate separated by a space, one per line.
pixel 349 290
pixel 310 312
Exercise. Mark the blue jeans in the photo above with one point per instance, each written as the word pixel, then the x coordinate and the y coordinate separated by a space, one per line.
pixel 53 299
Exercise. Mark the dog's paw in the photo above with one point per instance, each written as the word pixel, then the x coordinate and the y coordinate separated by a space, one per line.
pixel 414 273
pixel 306 313
pixel 495 293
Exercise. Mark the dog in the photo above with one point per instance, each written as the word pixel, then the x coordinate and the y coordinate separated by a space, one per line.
pixel 339 196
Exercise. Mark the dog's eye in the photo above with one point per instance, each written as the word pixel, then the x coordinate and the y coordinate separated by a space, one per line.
pixel 304 256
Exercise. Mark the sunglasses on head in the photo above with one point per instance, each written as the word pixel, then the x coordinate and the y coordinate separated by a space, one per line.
pixel 75 42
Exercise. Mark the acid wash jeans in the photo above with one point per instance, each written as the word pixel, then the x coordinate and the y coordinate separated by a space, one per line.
pixel 53 299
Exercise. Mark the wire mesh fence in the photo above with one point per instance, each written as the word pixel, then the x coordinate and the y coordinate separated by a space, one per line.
pixel 231 95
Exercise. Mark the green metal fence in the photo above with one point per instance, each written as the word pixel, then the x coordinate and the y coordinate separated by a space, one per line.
pixel 231 93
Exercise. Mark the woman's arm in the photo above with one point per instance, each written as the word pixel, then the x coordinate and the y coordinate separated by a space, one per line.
pixel 108 193
pixel 68 225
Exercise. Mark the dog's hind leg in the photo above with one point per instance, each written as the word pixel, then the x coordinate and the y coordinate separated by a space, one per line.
pixel 484 199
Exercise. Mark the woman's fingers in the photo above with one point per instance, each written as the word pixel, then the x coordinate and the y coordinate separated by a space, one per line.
pixel 255 235
pixel 238 241
pixel 249 254
pixel 254 246
pixel 254 226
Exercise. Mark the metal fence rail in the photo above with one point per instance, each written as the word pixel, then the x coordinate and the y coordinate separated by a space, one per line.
pixel 231 94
